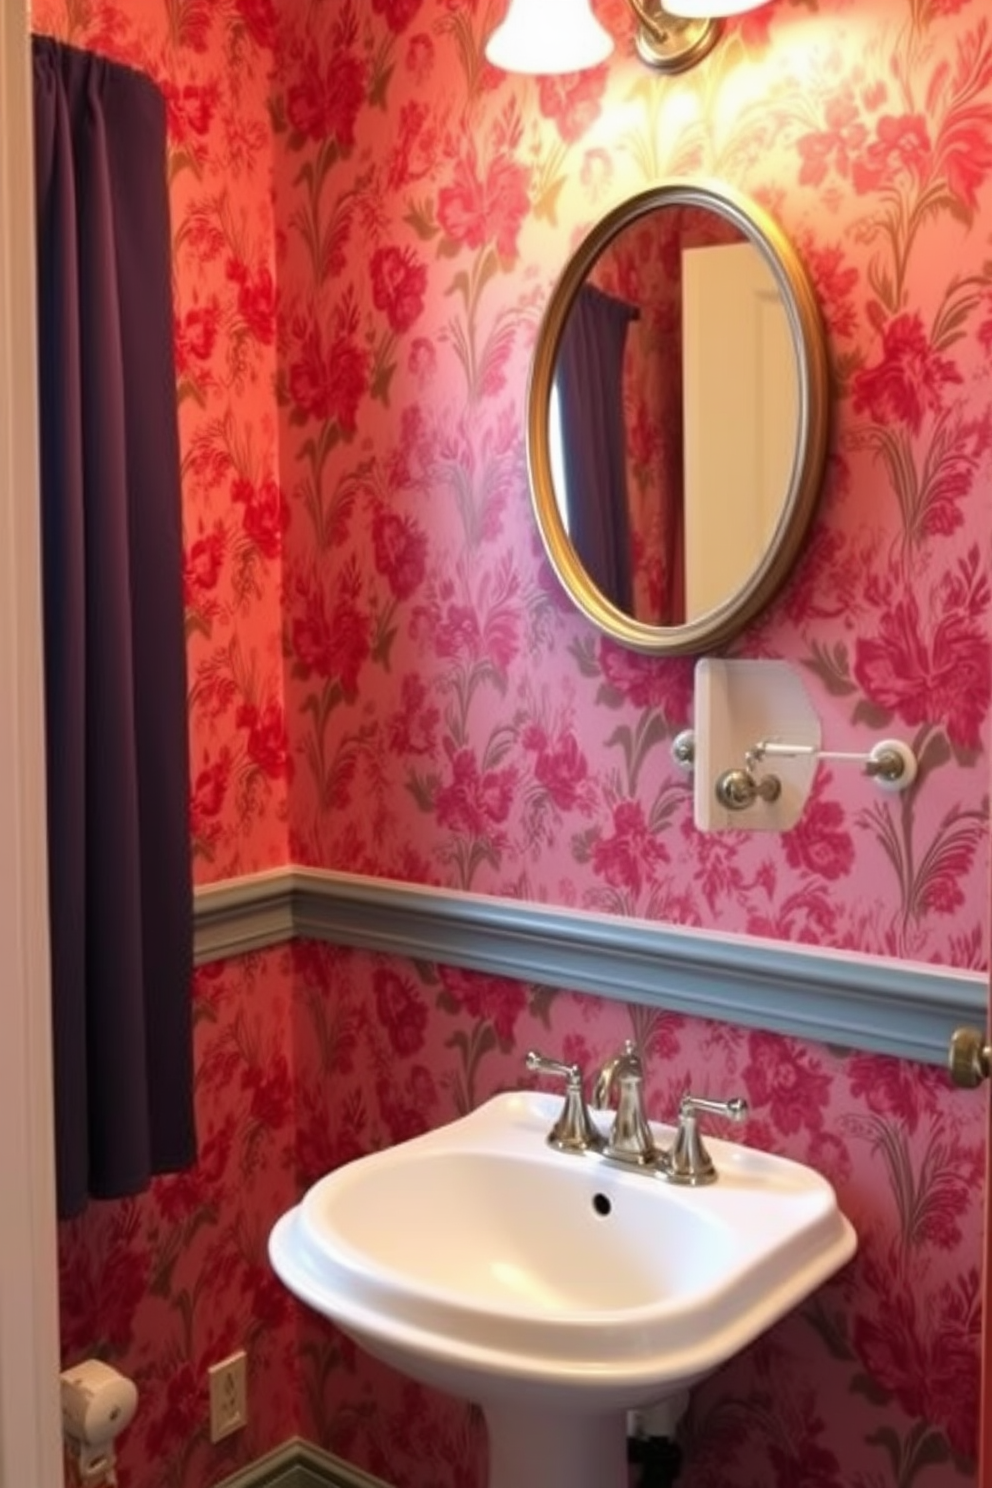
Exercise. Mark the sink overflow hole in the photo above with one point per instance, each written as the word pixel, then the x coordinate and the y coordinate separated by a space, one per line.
pixel 602 1204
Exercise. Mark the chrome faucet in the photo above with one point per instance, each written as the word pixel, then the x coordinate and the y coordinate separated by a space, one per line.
pixel 630 1139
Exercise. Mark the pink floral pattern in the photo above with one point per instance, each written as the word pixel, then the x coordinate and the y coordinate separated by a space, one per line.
pixel 386 678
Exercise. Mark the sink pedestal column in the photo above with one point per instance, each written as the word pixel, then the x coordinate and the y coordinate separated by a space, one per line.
pixel 534 1447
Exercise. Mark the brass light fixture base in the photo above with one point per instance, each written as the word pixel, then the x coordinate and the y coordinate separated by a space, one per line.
pixel 668 43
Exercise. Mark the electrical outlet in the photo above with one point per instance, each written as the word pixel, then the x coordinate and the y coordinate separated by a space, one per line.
pixel 228 1395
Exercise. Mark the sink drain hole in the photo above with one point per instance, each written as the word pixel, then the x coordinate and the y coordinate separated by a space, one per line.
pixel 602 1204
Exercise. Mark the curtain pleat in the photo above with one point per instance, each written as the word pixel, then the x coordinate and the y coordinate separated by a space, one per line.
pixel 589 380
pixel 115 670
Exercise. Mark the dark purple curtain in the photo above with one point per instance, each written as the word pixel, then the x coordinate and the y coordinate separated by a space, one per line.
pixel 589 380
pixel 115 671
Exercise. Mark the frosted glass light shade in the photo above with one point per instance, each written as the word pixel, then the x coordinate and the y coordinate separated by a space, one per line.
pixel 548 36
pixel 710 9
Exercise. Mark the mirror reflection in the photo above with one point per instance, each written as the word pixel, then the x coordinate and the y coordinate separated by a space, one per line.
pixel 678 330
pixel 677 417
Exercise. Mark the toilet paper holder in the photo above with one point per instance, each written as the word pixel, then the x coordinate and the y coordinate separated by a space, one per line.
pixel 97 1404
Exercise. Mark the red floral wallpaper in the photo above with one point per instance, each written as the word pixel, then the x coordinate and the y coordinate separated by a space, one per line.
pixel 170 1282
pixel 367 221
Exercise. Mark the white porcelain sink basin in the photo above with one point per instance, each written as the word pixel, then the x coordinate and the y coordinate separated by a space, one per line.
pixel 480 1260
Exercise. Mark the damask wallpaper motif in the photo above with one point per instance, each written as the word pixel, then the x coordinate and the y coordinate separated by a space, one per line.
pixel 367 221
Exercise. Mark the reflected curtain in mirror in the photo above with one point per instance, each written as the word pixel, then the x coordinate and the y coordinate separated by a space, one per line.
pixel 589 383
pixel 115 671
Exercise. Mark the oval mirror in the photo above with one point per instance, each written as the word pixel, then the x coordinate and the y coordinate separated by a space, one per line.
pixel 677 417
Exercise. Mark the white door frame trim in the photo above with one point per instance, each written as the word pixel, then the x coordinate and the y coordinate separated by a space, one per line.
pixel 30 1439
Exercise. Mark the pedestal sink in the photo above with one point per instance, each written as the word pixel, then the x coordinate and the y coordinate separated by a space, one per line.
pixel 557 1291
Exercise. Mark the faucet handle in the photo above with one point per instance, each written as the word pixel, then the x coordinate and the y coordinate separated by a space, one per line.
pixel 688 1161
pixel 734 1109
pixel 574 1131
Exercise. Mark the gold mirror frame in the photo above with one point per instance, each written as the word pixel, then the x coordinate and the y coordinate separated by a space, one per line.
pixel 724 622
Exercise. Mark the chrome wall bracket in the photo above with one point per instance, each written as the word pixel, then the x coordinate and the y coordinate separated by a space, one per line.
pixel 758 747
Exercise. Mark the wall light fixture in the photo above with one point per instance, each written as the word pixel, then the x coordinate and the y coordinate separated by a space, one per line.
pixel 554 36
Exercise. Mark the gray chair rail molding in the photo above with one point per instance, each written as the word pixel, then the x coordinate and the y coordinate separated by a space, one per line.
pixel 882 1005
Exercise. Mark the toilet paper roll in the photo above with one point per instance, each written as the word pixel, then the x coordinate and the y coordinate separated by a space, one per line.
pixel 97 1402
